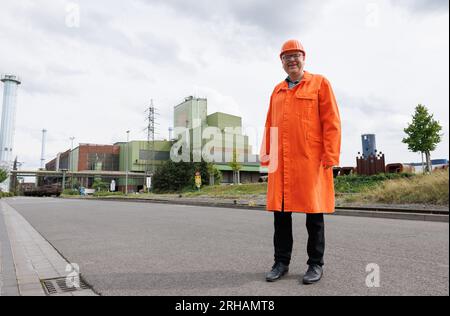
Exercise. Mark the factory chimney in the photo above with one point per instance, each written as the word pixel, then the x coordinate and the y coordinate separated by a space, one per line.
pixel 7 127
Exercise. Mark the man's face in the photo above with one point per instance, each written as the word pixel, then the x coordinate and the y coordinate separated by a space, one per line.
pixel 293 63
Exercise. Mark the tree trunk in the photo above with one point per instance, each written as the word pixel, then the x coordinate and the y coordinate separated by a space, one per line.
pixel 429 165
pixel 423 163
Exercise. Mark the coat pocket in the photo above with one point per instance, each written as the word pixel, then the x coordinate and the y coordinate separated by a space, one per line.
pixel 304 105
pixel 314 138
pixel 314 145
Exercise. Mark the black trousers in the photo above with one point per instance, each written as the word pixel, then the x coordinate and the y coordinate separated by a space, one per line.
pixel 283 240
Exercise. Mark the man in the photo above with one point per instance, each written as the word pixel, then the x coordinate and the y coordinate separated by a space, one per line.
pixel 301 145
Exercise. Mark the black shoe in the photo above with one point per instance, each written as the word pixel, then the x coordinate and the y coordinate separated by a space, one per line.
pixel 313 275
pixel 278 270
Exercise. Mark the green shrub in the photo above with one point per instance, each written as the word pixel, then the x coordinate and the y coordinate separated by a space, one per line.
pixel 230 191
pixel 106 193
pixel 3 175
pixel 99 185
pixel 70 192
pixel 358 183
pixel 6 194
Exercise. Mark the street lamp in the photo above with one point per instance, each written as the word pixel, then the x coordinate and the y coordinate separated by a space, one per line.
pixel 70 162
pixel 126 163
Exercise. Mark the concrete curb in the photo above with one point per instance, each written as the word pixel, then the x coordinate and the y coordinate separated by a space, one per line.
pixel 393 209
pixel 391 213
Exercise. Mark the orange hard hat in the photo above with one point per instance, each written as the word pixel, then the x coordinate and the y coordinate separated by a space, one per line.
pixel 292 46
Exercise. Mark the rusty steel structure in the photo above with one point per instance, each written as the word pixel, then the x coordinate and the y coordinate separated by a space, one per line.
pixel 373 164
pixel 399 168
pixel 343 171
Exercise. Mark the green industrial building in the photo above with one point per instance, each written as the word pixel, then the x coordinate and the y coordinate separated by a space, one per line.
pixel 192 115
pixel 221 133
pixel 141 159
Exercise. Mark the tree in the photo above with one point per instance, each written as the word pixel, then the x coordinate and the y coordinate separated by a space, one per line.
pixel 210 174
pixel 211 171
pixel 176 176
pixel 171 177
pixel 3 175
pixel 99 185
pixel 423 134
pixel 76 185
pixel 236 167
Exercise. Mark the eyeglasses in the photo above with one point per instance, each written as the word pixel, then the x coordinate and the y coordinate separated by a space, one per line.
pixel 294 56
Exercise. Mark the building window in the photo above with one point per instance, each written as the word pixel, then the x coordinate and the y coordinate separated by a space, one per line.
pixel 102 161
pixel 159 155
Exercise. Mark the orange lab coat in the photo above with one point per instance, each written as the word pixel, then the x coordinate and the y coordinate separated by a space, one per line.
pixel 302 134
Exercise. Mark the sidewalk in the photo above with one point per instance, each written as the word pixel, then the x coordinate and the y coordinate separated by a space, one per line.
pixel 27 259
pixel 8 280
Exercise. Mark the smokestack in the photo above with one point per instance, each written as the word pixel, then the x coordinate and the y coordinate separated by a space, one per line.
pixel 7 129
pixel 44 134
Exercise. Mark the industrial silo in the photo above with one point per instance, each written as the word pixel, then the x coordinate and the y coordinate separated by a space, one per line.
pixel 369 145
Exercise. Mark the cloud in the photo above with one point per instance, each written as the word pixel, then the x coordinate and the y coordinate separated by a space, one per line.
pixel 94 81
pixel 423 6
pixel 279 20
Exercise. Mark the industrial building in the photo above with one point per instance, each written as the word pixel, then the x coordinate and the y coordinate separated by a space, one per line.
pixel 192 115
pixel 87 157
pixel 138 157
pixel 144 156
pixel 61 162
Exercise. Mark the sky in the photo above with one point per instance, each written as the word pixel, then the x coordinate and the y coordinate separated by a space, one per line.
pixel 90 68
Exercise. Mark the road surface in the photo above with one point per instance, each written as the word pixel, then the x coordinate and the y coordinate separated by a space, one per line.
pixel 158 249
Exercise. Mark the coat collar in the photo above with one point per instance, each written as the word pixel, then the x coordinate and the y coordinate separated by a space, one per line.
pixel 284 85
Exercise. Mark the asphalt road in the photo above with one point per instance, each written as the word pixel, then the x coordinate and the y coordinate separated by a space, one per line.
pixel 156 249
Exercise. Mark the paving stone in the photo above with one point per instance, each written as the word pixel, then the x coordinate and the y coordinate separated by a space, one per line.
pixel 32 293
pixel 84 293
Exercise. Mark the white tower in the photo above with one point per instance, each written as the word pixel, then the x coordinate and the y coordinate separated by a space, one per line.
pixel 11 82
